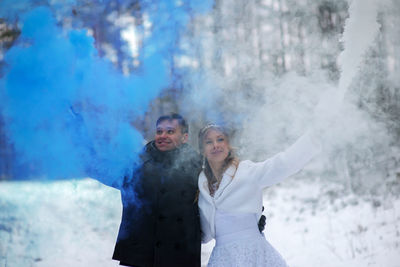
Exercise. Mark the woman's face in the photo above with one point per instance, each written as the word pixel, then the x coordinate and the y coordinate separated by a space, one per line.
pixel 216 146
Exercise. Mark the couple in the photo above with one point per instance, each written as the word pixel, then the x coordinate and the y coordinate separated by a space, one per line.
pixel 177 199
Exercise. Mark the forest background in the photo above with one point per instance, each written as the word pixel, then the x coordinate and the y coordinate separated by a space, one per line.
pixel 252 63
pixel 260 67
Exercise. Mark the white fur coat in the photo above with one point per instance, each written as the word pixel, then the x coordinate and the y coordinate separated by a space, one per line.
pixel 244 192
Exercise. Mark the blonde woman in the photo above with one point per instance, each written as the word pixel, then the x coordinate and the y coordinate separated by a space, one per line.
pixel 230 199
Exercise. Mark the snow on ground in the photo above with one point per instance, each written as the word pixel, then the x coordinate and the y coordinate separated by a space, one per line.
pixel 61 223
pixel 311 226
pixel 75 223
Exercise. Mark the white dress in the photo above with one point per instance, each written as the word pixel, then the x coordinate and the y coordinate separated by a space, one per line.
pixel 240 243
pixel 231 215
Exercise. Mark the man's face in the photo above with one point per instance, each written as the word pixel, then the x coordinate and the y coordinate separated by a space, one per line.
pixel 169 135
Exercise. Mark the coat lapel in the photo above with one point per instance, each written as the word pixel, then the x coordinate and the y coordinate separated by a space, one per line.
pixel 226 180
pixel 203 187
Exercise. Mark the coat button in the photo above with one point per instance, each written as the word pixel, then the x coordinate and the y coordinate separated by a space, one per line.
pixel 177 246
pixel 161 218
pixel 179 219
pixel 158 244
pixel 163 191
pixel 183 193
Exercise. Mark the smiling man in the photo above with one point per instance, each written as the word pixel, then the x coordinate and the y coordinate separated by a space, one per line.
pixel 160 220
pixel 170 134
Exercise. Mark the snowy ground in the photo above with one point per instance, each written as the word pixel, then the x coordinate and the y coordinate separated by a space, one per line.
pixel 75 223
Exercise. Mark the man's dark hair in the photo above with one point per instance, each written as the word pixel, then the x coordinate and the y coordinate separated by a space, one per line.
pixel 174 116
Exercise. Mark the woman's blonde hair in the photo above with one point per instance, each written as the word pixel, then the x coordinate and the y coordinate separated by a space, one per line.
pixel 231 159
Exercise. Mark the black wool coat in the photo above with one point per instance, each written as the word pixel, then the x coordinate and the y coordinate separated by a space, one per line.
pixel 160 219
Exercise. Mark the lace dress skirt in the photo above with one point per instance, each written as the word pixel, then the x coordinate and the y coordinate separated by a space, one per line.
pixel 239 243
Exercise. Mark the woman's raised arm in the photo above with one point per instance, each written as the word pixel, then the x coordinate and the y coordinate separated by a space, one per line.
pixel 286 163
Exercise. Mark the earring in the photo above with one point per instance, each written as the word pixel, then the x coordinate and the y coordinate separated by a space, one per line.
pixel 204 163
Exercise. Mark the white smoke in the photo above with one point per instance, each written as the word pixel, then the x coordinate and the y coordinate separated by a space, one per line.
pixel 269 112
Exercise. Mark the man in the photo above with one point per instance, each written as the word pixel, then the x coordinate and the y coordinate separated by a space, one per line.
pixel 160 219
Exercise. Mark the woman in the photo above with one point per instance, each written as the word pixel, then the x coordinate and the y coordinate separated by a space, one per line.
pixel 230 199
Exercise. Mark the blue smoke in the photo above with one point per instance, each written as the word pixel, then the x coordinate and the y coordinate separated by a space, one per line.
pixel 68 112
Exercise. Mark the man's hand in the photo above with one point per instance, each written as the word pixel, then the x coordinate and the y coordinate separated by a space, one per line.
pixel 261 222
